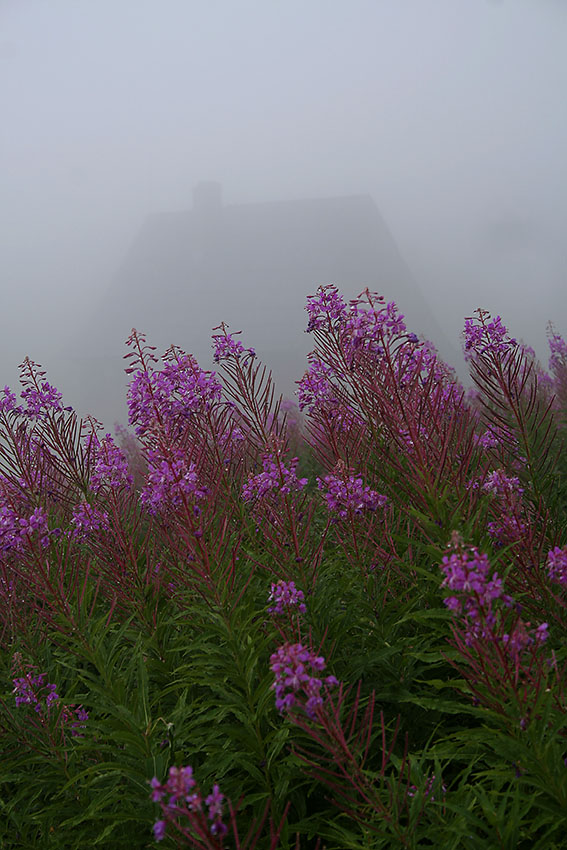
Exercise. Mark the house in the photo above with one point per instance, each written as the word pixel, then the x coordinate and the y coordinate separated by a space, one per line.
pixel 251 266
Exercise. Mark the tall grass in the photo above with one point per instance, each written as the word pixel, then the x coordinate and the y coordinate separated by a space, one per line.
pixel 246 624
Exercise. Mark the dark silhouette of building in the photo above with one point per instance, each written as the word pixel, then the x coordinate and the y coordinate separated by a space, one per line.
pixel 252 266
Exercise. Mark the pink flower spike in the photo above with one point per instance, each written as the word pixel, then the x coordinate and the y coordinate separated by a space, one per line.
pixel 159 830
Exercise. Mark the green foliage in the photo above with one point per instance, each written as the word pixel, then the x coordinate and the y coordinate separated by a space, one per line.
pixel 157 624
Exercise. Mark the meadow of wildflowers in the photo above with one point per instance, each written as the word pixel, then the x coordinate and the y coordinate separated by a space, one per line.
pixel 245 624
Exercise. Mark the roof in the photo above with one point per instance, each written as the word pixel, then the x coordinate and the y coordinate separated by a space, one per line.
pixel 252 266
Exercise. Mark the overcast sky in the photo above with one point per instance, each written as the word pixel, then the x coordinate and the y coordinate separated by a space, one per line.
pixel 451 113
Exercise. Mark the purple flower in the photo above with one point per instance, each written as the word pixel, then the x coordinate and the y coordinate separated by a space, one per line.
pixel 180 783
pixel 27 687
pixel 475 588
pixel 228 348
pixel 159 830
pixel 483 337
pixel 479 598
pixel 231 439
pixel 214 802
pixel 424 363
pixel 184 798
pixel 315 390
pixel 286 596
pixel 498 483
pixel 82 717
pixel 165 399
pixel 520 639
pixel 219 828
pixel 32 689
pixel 110 467
pixel 88 520
pixel 348 493
pixel 557 565
pixel 52 695
pixel 488 440
pixel 558 349
pixel 157 792
pixel 508 529
pixel 8 402
pixel 293 666
pixel 368 325
pixel 169 481
pixel 16 531
pixel 40 399
pixel 275 478
pixel 507 506
pixel 325 309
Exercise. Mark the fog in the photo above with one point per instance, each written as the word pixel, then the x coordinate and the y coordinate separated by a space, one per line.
pixel 450 114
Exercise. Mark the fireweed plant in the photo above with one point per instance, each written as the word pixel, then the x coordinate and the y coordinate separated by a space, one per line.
pixel 243 623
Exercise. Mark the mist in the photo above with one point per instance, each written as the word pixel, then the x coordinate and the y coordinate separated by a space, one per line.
pixel 449 114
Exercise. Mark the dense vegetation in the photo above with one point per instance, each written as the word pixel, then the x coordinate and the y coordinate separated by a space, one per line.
pixel 255 626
